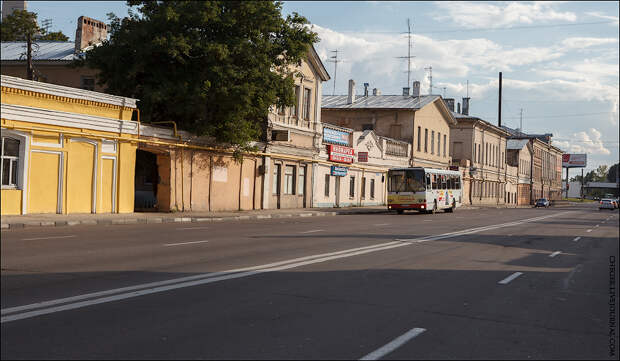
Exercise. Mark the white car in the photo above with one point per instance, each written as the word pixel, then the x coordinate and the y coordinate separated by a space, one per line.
pixel 606 203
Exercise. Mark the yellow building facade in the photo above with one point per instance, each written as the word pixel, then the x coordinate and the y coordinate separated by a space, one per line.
pixel 66 150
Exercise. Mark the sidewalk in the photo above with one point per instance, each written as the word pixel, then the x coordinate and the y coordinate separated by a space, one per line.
pixel 56 220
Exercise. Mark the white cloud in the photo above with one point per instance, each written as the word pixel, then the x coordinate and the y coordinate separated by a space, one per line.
pixel 597 14
pixel 589 142
pixel 490 15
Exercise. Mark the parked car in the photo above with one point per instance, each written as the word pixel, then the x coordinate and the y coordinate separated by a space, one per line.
pixel 615 202
pixel 606 203
pixel 542 202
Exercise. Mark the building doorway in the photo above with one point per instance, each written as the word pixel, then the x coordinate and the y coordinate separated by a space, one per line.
pixel 146 181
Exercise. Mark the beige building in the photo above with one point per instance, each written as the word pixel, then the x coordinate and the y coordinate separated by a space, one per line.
pixel 422 120
pixel 519 155
pixel 481 146
pixel 358 179
pixel 178 171
pixel 51 59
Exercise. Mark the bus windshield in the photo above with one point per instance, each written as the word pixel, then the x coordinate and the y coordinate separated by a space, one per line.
pixel 406 181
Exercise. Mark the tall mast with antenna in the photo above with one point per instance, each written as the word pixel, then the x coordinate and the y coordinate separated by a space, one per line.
pixel 334 59
pixel 430 77
pixel 409 56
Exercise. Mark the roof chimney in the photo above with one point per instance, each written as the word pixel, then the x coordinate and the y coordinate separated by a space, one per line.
pixel 416 88
pixel 376 92
pixel 406 91
pixel 89 32
pixel 458 108
pixel 351 97
pixel 450 103
pixel 465 106
pixel 366 85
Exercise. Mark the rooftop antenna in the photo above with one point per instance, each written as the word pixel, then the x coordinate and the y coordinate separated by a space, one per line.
pixel 468 88
pixel 444 92
pixel 521 122
pixel 430 77
pixel 409 56
pixel 335 61
pixel 46 24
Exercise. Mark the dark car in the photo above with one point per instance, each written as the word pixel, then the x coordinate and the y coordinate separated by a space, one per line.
pixel 542 202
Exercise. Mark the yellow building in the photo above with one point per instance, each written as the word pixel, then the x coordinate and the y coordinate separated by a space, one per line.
pixel 66 150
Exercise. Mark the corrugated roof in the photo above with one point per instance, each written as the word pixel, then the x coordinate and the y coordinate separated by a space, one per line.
pixel 41 50
pixel 516 143
pixel 377 102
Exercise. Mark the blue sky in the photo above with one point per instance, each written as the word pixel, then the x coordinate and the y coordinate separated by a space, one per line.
pixel 559 60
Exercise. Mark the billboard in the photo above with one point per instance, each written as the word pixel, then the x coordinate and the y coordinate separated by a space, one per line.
pixel 574 160
pixel 338 153
pixel 335 136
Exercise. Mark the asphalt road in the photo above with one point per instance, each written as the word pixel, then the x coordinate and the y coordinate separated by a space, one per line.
pixel 475 284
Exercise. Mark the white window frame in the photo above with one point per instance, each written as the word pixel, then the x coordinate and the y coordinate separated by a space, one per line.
pixel 22 166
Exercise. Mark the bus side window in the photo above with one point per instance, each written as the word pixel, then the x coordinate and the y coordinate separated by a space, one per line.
pixel 428 181
pixel 444 181
pixel 458 183
pixel 450 182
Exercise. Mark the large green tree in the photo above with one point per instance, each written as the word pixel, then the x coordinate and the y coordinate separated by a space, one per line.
pixel 612 173
pixel 214 67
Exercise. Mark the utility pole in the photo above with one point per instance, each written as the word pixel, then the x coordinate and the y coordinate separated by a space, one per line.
pixel 29 69
pixel 335 61
pixel 521 121
pixel 430 77
pixel 409 56
pixel 499 102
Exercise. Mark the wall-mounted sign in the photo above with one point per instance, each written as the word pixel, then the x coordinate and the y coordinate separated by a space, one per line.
pixel 340 154
pixel 453 167
pixel 574 160
pixel 335 136
pixel 362 156
pixel 339 171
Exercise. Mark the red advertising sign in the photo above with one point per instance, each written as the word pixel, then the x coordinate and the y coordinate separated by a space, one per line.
pixel 362 156
pixel 341 154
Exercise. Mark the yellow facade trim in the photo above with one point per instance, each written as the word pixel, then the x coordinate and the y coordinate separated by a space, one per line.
pixel 85 134
pixel 23 97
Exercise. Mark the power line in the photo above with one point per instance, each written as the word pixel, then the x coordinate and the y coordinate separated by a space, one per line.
pixel 479 29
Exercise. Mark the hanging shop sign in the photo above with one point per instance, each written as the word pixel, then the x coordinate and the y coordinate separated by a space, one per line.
pixel 362 156
pixel 340 154
pixel 335 136
pixel 339 171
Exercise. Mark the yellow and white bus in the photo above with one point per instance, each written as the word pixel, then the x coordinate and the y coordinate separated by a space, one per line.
pixel 424 189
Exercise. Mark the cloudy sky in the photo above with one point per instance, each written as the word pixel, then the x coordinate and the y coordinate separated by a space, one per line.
pixel 559 60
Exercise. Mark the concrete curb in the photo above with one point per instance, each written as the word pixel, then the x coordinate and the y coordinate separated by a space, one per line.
pixel 172 219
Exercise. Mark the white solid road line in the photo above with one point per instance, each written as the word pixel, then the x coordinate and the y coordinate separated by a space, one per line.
pixel 57 305
pixel 507 280
pixel 50 237
pixel 190 228
pixel 576 239
pixel 313 231
pixel 382 224
pixel 555 253
pixel 183 243
pixel 393 345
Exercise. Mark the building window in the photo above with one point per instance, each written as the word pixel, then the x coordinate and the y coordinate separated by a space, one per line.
pixel 10 162
pixel 419 138
pixel 306 104
pixel 289 179
pixel 444 145
pixel 327 177
pixel 372 189
pixel 438 143
pixel 432 142
pixel 302 181
pixel 363 188
pixel 276 179
pixel 352 187
pixel 87 83
pixel 425 140
pixel 295 108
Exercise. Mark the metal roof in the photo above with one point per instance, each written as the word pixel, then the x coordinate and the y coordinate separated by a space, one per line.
pixel 516 143
pixel 41 50
pixel 377 102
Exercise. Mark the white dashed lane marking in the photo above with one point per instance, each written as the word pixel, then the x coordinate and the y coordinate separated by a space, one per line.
pixel 393 345
pixel 576 239
pixel 508 279
pixel 50 237
pixel 555 254
pixel 183 243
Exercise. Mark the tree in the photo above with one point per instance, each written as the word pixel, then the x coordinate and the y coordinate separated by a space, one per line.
pixel 612 174
pixel 214 67
pixel 22 25
pixel 601 173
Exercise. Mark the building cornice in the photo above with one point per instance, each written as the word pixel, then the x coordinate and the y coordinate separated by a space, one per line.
pixel 65 93
pixel 66 119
